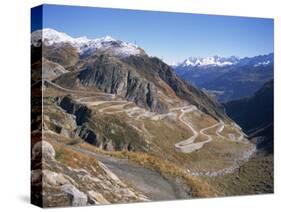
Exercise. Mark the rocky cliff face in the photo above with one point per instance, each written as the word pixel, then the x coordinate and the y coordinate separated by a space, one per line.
pixel 81 112
pixel 72 119
pixel 111 75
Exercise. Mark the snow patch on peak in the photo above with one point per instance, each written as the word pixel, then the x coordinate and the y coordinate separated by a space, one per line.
pixel 83 39
pixel 264 63
pixel 108 38
pixel 50 37
pixel 84 45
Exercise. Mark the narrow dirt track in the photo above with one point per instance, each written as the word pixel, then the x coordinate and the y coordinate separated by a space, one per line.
pixel 188 145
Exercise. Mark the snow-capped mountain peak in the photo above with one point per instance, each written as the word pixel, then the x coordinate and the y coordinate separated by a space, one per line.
pixel 263 63
pixel 84 45
pixel 83 39
pixel 217 61
pixel 108 38
pixel 49 37
pixel 208 61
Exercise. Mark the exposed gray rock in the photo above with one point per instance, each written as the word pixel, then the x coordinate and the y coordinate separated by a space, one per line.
pixel 51 70
pixel 78 198
pixel 53 178
pixel 88 135
pixel 80 111
pixel 48 151
pixel 111 75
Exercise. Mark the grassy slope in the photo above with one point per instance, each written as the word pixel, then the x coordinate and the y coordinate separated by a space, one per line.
pixel 254 177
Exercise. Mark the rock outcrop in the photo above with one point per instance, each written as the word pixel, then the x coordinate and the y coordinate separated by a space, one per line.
pixel 87 126
pixel 78 197
pixel 81 112
pixel 43 147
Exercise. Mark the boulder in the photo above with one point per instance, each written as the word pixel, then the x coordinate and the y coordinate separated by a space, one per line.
pixel 78 198
pixel 45 148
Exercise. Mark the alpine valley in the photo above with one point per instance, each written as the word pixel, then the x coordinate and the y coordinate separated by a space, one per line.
pixel 120 126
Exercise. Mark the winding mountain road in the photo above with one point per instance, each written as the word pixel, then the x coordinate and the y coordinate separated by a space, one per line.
pixel 185 146
pixel 188 145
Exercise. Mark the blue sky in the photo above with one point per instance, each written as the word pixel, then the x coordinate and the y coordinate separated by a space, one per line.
pixel 170 36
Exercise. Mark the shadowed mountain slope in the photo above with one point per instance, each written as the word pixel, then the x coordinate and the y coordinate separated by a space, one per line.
pixel 255 114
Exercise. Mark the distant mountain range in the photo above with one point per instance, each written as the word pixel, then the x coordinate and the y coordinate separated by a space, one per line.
pixel 206 62
pixel 227 78
pixel 217 61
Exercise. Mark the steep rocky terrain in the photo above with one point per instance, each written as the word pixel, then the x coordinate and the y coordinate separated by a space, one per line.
pixel 110 75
